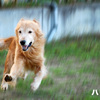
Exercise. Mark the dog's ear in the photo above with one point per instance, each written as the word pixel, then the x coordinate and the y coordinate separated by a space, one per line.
pixel 16 29
pixel 39 33
pixel 36 22
pixel 22 19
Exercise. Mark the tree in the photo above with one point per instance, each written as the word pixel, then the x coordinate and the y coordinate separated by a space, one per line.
pixel 0 3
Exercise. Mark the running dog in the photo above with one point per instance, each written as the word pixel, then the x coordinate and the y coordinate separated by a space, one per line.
pixel 25 54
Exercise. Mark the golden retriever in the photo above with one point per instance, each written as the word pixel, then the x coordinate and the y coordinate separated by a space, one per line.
pixel 25 53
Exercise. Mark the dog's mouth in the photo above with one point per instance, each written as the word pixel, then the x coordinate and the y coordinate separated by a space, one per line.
pixel 25 47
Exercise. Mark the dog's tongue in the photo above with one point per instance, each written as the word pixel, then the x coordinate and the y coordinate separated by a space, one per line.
pixel 25 47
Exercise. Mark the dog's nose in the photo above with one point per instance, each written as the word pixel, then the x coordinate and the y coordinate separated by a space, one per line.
pixel 22 42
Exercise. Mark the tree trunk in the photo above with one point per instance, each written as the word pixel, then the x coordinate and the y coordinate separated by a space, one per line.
pixel 0 4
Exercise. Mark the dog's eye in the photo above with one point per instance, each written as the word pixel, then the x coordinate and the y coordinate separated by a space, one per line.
pixel 20 32
pixel 29 32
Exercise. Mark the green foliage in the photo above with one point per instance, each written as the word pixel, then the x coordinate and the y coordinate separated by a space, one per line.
pixel 42 2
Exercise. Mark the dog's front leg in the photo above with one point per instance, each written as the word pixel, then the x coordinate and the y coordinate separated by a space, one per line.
pixel 7 79
pixel 38 78
pixel 4 85
pixel 17 70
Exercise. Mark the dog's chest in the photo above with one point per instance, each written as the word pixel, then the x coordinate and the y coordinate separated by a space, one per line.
pixel 33 64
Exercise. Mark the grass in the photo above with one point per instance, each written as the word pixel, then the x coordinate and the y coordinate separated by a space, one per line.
pixel 26 4
pixel 42 2
pixel 74 71
pixel 82 48
pixel 3 55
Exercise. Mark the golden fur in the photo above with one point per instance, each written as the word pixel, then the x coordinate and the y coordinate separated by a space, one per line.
pixel 19 62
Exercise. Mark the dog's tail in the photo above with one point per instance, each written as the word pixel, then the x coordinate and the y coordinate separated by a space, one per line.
pixel 5 43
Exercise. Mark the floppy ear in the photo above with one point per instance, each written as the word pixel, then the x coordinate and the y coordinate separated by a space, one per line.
pixel 22 19
pixel 18 24
pixel 36 22
pixel 39 33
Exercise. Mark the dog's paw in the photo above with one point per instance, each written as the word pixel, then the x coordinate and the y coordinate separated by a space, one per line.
pixel 34 86
pixel 8 78
pixel 4 86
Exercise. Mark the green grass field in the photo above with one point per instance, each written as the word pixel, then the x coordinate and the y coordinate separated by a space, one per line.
pixel 74 71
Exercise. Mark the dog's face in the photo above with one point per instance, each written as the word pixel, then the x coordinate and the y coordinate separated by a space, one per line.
pixel 26 32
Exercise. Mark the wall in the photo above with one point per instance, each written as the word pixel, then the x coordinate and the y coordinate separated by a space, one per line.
pixel 73 20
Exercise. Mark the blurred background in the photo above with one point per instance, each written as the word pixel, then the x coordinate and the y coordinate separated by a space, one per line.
pixel 72 51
